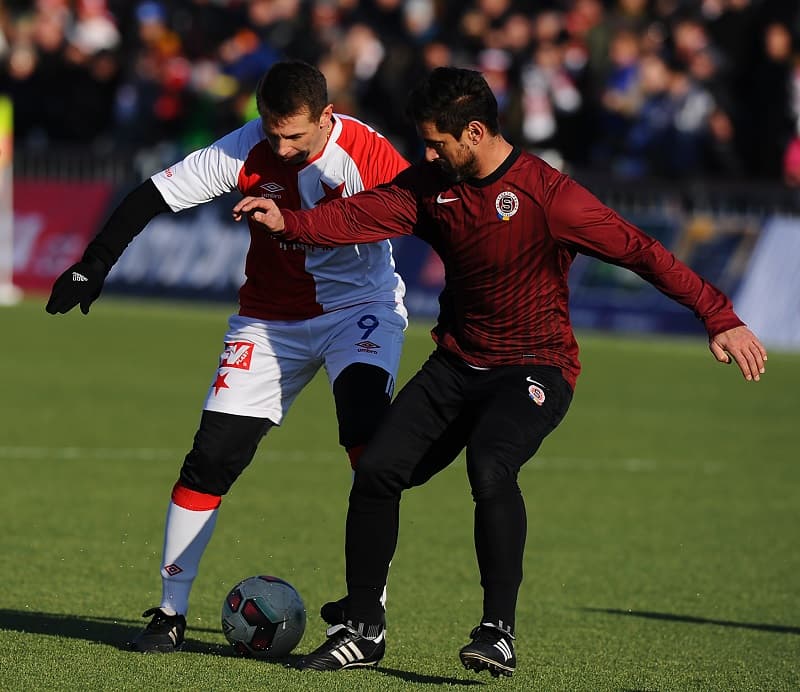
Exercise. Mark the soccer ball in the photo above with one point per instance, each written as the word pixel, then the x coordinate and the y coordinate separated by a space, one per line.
pixel 263 617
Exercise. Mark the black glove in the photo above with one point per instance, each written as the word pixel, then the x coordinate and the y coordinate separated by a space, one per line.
pixel 81 283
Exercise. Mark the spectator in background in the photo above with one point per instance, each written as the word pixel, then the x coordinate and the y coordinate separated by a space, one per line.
pixel 645 147
pixel 518 38
pixel 94 29
pixel 620 96
pixel 34 65
pixel 551 103
pixel 773 126
pixel 150 102
pixel 91 54
pixel 633 15
pixel 692 106
pixel 497 68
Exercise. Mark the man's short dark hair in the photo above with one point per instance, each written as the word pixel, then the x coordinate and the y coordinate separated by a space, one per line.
pixel 289 87
pixel 452 97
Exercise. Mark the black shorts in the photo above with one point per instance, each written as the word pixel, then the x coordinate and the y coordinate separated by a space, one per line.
pixel 499 415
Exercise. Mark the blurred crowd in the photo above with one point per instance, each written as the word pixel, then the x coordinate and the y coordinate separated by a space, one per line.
pixel 637 88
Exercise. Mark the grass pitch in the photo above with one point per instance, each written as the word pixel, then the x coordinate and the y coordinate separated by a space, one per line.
pixel 663 520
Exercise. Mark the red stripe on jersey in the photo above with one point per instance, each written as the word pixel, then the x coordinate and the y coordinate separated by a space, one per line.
pixel 193 500
pixel 278 287
pixel 377 161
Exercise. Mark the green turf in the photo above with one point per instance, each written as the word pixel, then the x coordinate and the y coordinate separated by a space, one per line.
pixel 663 520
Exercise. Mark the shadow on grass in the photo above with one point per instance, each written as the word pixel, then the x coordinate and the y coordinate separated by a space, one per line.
pixel 672 617
pixel 426 679
pixel 119 633
pixel 114 632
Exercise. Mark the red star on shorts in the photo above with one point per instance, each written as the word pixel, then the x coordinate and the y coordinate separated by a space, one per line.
pixel 219 383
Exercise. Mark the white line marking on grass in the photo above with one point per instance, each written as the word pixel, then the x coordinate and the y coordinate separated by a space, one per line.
pixel 148 454
pixel 67 453
pixel 632 465
pixel 592 464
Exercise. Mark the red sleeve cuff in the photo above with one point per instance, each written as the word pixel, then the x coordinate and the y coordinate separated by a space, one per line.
pixel 721 322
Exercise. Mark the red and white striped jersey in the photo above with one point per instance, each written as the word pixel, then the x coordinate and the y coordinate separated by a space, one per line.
pixel 296 281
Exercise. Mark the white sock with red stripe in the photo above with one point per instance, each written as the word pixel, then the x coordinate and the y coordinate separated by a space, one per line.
pixel 191 517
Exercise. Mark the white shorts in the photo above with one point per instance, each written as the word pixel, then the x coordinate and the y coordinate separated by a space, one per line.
pixel 265 364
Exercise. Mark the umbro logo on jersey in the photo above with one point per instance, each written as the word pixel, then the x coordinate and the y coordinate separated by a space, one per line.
pixel 367 346
pixel 503 647
pixel 78 277
pixel 272 190
pixel 445 200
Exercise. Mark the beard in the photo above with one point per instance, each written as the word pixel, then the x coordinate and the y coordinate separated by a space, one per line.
pixel 458 172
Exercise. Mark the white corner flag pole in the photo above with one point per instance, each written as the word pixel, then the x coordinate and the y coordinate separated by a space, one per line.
pixel 9 294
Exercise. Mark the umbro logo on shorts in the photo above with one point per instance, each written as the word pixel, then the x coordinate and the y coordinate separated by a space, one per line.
pixel 78 277
pixel 367 346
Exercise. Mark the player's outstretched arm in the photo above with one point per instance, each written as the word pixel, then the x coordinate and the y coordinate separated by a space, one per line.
pixel 261 210
pixel 82 283
pixel 743 347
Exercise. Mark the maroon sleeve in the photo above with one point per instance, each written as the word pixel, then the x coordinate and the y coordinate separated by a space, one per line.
pixel 368 216
pixel 577 218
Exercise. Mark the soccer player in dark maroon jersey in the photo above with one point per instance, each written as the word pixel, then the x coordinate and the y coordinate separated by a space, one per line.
pixel 507 227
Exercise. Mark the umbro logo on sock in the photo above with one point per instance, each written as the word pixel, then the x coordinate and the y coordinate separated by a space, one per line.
pixel 78 277
pixel 503 647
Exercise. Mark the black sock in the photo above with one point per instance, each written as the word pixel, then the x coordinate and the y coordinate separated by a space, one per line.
pixel 500 532
pixel 372 525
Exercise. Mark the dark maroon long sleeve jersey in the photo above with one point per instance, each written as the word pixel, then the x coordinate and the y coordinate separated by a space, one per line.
pixel 507 242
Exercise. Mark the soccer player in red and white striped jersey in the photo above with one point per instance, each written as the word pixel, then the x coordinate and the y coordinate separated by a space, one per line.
pixel 507 227
pixel 302 307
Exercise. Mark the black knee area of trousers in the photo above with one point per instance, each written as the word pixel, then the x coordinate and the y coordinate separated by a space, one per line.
pixel 376 482
pixel 362 393
pixel 486 488
pixel 223 447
